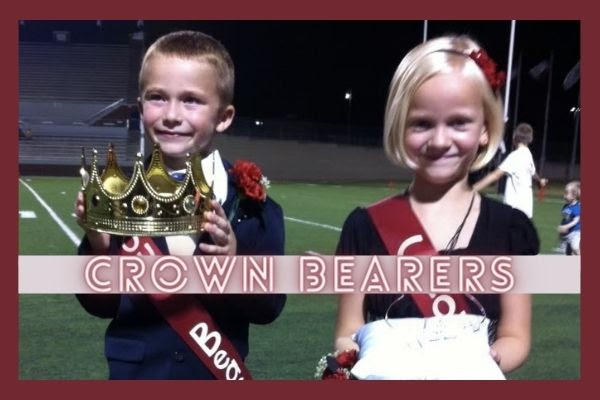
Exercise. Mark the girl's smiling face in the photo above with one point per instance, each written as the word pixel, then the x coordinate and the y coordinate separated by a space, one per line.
pixel 445 128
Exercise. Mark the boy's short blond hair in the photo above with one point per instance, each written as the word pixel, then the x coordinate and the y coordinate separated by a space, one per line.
pixel 575 187
pixel 444 54
pixel 195 45
pixel 523 134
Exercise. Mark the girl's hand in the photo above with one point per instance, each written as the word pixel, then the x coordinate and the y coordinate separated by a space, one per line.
pixel 218 227
pixel 562 230
pixel 495 356
pixel 345 343
pixel 99 242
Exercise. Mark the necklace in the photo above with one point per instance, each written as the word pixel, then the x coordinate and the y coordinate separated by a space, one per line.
pixel 454 239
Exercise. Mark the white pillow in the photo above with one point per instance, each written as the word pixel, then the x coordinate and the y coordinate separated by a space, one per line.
pixel 447 347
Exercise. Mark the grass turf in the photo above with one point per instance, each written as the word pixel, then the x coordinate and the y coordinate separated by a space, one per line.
pixel 58 340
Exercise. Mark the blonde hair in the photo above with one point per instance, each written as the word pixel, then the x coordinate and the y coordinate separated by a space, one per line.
pixel 444 54
pixel 195 45
pixel 574 186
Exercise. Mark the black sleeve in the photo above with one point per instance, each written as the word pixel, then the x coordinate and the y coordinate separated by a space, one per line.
pixel 359 236
pixel 255 308
pixel 349 243
pixel 271 238
pixel 99 305
pixel 523 237
pixel 263 235
pixel 84 247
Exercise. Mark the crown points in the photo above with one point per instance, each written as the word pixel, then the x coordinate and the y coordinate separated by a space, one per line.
pixel 112 160
pixel 151 203
pixel 94 159
pixel 85 176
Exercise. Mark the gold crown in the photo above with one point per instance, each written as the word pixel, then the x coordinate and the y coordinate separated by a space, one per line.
pixel 151 203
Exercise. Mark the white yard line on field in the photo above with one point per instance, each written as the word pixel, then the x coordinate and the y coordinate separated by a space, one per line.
pixel 74 238
pixel 27 214
pixel 325 226
pixel 552 201
pixel 312 253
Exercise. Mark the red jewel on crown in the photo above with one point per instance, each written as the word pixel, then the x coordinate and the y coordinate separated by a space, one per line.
pixel 489 68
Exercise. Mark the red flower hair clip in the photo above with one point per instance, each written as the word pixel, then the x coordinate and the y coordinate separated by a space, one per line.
pixel 488 66
pixel 250 180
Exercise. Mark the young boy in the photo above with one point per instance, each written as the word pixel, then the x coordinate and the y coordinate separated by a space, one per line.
pixel 520 170
pixel 570 226
pixel 186 90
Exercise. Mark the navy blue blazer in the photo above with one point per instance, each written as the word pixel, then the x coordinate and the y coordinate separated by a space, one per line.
pixel 139 343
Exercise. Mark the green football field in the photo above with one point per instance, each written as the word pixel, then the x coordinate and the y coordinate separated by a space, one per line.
pixel 58 340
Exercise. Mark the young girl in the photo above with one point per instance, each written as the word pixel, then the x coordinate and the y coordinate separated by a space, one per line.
pixel 443 119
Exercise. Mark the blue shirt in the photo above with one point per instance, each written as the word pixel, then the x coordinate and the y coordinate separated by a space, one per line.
pixel 569 212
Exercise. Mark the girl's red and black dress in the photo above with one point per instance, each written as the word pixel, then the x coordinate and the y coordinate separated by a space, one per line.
pixel 500 230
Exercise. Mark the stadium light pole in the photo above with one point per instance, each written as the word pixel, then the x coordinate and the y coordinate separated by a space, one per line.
pixel 509 70
pixel 141 36
pixel 348 98
pixel 575 111
pixel 546 114
pixel 517 92
pixel 570 80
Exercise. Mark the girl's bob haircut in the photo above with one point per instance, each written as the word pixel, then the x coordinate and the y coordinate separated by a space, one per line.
pixel 441 55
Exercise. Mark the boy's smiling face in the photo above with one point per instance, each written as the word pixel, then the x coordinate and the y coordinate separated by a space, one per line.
pixel 181 107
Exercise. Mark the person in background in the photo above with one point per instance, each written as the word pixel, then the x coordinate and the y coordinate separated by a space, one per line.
pixel 569 229
pixel 519 169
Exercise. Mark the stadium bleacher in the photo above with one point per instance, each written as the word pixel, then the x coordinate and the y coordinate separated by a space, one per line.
pixel 74 90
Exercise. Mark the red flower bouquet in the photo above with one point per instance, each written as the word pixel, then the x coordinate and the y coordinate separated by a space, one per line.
pixel 336 365
pixel 250 180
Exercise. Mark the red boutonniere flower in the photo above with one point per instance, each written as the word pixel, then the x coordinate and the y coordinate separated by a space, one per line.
pixel 250 180
pixel 336 365
pixel 488 66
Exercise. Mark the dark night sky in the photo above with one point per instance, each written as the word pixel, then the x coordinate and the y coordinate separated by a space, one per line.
pixel 301 69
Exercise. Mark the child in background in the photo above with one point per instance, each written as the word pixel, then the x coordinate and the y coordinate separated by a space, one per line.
pixel 570 227
pixel 520 170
